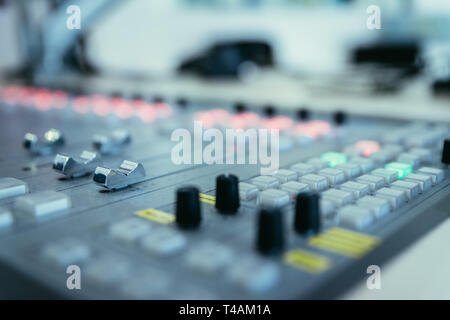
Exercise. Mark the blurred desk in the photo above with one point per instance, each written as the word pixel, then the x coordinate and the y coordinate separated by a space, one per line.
pixel 419 272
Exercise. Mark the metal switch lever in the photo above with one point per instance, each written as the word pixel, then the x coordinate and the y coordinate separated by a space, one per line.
pixel 127 174
pixel 52 139
pixel 76 167
pixel 112 144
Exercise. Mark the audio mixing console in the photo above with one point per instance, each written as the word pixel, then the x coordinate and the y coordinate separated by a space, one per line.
pixel 88 181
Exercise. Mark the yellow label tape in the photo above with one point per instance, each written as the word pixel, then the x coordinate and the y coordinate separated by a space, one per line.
pixel 306 261
pixel 206 198
pixel 156 215
pixel 345 242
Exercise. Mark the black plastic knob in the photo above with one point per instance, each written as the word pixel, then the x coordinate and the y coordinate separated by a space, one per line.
pixel 303 114
pixel 269 111
pixel 188 212
pixel 307 213
pixel 227 194
pixel 270 233
pixel 240 107
pixel 446 152
pixel 340 118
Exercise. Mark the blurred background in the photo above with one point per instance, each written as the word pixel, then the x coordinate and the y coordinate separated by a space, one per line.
pixel 318 52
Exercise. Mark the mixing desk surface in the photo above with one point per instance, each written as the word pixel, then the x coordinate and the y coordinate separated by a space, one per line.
pixel 90 182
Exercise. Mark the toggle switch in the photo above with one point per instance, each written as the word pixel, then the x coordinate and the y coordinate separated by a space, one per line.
pixel 52 140
pixel 127 174
pixel 75 167
pixel 112 144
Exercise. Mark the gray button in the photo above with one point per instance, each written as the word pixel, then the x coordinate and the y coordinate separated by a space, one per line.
pixel 379 207
pixel 303 168
pixel 41 204
pixel 366 164
pixel 265 182
pixel 334 176
pixel 396 197
pixel 374 182
pixel 424 181
pixel 163 242
pixel 273 198
pixel 359 189
pixel 355 217
pixel 327 208
pixel 11 187
pixel 352 170
pixel 129 230
pixel 411 188
pixel 209 257
pixel 66 252
pixel 388 175
pixel 339 197
pixel 315 182
pixel 437 175
pixel 286 175
pixel 150 283
pixel 254 275
pixel 294 187
pixel 247 191
pixel 318 163
pixel 424 154
pixel 409 158
pixel 6 218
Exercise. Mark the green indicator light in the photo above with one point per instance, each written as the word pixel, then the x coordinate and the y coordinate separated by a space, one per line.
pixel 334 158
pixel 403 169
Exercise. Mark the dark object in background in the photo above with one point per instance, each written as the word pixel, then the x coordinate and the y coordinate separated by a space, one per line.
pixel 223 60
pixel 395 61
pixel 389 54
pixel 441 87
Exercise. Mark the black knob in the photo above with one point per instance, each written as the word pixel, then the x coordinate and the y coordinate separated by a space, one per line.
pixel 240 107
pixel 182 102
pixel 270 235
pixel 303 114
pixel 340 117
pixel 269 111
pixel 188 213
pixel 158 99
pixel 446 152
pixel 227 194
pixel 307 213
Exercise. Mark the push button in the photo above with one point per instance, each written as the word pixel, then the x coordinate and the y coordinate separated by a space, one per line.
pixel 273 198
pixel 265 182
pixel 315 182
pixel 303 168
pixel 355 217
pixel 247 191
pixel 6 218
pixel 334 176
pixel 40 204
pixel 11 187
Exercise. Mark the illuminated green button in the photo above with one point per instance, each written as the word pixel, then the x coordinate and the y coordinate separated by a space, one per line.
pixel 403 169
pixel 334 158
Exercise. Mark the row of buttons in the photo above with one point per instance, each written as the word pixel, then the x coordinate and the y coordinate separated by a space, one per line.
pixel 32 206
pixel 207 258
